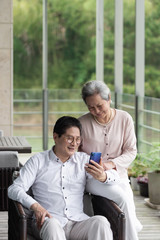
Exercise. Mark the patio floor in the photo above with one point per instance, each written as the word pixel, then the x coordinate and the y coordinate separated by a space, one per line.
pixel 150 219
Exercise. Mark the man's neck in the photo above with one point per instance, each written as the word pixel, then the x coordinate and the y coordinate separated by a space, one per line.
pixel 60 155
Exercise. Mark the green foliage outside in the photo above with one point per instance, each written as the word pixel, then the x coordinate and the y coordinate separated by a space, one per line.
pixel 146 162
pixel 72 44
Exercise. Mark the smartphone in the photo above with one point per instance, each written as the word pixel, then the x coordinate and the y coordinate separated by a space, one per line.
pixel 95 156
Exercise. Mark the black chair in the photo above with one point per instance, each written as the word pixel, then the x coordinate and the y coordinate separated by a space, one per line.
pixel 19 218
pixel 8 164
pixel 107 208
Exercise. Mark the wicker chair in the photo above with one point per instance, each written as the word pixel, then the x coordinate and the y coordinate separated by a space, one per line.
pixel 107 208
pixel 19 220
pixel 8 164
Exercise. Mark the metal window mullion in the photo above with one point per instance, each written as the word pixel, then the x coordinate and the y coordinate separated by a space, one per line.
pixel 99 41
pixel 118 45
pixel 45 77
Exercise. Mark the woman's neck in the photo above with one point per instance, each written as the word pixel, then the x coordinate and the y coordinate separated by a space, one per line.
pixel 107 119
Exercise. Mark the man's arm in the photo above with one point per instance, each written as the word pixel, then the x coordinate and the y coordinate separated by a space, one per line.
pixel 18 190
pixel 18 194
pixel 97 171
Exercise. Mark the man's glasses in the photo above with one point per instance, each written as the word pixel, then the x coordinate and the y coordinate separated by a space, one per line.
pixel 71 139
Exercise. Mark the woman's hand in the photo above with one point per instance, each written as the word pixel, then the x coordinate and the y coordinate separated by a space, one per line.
pixel 109 165
pixel 96 170
pixel 40 214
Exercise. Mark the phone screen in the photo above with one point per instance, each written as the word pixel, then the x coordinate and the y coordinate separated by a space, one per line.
pixel 95 156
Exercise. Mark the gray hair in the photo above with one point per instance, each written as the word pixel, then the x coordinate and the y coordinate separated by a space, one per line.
pixel 95 87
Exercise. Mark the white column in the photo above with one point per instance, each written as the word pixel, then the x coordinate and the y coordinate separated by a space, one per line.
pixel 99 41
pixel 6 67
pixel 118 51
pixel 140 45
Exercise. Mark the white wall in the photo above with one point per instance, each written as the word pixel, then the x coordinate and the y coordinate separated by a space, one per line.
pixel 6 66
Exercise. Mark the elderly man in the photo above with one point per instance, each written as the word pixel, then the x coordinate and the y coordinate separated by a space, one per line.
pixel 58 180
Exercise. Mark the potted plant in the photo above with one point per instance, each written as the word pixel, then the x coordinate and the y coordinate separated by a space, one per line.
pixel 143 185
pixel 137 168
pixel 154 174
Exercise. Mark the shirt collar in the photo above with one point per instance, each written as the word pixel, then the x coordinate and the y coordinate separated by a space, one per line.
pixel 52 156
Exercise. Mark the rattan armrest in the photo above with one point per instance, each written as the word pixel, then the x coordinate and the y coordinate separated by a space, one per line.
pixel 109 209
pixel 20 209
pixel 17 221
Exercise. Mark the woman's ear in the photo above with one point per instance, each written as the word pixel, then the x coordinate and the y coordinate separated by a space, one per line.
pixel 109 97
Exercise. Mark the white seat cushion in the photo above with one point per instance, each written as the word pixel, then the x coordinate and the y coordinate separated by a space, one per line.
pixel 9 159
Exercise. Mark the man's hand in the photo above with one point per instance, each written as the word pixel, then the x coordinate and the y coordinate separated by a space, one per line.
pixel 96 170
pixel 40 214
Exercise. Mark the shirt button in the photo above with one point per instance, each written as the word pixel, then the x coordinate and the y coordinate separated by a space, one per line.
pixel 107 154
pixel 109 179
pixel 63 176
pixel 63 165
pixel 66 209
pixel 65 197
pixel 63 187
pixel 105 134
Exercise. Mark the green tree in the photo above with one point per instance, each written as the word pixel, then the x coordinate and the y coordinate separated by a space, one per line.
pixel 27 43
pixel 72 44
pixel 152 60
pixel 71 56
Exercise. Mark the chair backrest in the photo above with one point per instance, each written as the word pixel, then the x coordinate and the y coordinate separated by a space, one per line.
pixel 87 204
pixel 5 181
pixel 9 159
pixel 8 164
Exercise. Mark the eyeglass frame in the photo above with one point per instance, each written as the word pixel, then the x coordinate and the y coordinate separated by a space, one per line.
pixel 72 139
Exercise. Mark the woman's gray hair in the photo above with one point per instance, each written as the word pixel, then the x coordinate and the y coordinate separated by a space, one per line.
pixel 95 87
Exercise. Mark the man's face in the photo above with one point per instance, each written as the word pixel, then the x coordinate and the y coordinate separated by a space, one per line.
pixel 68 143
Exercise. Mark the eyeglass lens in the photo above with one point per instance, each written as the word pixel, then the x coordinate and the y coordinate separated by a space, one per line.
pixel 70 139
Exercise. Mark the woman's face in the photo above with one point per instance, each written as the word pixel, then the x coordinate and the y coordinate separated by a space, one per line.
pixel 97 106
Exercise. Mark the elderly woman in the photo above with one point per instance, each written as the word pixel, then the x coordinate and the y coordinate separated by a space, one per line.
pixel 111 132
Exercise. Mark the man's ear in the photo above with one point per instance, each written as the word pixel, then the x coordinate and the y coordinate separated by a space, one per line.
pixel 55 136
